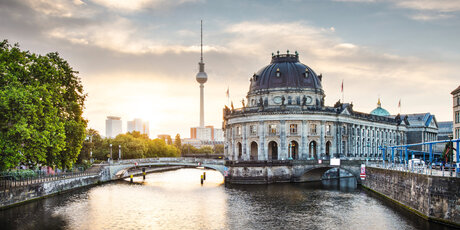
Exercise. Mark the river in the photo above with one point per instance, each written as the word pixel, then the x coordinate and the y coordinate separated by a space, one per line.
pixel 176 200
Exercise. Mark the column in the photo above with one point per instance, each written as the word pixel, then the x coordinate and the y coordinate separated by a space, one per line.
pixel 304 145
pixel 262 154
pixel 244 143
pixel 322 142
pixel 283 154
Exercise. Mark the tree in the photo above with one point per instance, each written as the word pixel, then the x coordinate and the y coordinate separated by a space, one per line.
pixel 92 142
pixel 168 140
pixel 219 149
pixel 178 143
pixel 41 107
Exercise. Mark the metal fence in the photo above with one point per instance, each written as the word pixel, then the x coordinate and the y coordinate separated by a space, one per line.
pixel 11 181
pixel 423 158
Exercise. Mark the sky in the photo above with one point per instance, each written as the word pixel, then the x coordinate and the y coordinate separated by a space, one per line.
pixel 139 58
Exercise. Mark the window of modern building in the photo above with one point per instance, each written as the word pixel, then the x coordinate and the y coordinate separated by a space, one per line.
pixel 253 129
pixel 272 129
pixel 293 128
pixel 313 129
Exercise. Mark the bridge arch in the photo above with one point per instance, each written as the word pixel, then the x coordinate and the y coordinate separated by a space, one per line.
pixel 316 173
pixel 121 171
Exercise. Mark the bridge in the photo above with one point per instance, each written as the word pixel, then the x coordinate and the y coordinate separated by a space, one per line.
pixel 120 169
pixel 243 172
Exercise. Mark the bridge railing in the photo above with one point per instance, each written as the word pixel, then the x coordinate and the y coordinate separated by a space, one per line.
pixel 171 160
pixel 10 181
pixel 433 157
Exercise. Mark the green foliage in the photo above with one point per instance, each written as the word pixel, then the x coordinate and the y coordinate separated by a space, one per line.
pixel 219 149
pixel 20 174
pixel 190 149
pixel 178 143
pixel 133 145
pixel 41 106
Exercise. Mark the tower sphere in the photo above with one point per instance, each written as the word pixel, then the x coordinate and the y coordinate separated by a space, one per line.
pixel 201 77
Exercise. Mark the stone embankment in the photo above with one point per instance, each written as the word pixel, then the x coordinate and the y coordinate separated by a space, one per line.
pixel 435 198
pixel 15 195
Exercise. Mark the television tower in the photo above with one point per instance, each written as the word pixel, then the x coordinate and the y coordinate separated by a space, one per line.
pixel 201 77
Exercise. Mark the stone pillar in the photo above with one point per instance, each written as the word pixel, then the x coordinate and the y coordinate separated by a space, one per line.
pixel 303 151
pixel 262 153
pixel 244 143
pixel 337 140
pixel 283 154
pixel 322 142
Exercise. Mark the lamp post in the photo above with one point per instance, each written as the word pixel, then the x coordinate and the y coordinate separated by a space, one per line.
pixel 119 152
pixel 91 148
pixel 110 151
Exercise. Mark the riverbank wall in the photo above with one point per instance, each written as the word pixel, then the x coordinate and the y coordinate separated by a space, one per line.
pixel 434 198
pixel 17 195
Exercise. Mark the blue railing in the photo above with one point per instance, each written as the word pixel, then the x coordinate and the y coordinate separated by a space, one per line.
pixel 402 153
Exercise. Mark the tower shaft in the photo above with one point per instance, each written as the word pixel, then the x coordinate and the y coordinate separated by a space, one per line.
pixel 201 105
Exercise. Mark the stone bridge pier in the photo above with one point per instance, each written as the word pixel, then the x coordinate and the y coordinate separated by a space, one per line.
pixel 266 172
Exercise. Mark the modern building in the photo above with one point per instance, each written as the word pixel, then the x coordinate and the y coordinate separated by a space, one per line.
pixel 218 135
pixel 286 119
pixel 139 126
pixel 113 126
pixel 456 108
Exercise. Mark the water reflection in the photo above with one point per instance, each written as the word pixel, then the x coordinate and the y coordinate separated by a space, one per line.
pixel 176 200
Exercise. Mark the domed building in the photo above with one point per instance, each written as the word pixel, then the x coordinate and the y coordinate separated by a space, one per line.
pixel 286 119
pixel 379 111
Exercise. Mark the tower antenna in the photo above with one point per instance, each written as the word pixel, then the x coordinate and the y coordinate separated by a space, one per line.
pixel 201 41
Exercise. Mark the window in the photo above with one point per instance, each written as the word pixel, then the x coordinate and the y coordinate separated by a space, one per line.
pixel 344 130
pixel 293 128
pixel 253 129
pixel 313 129
pixel 238 131
pixel 272 129
pixel 328 130
pixel 457 117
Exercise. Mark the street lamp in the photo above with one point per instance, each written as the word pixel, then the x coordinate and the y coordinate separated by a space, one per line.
pixel 119 152
pixel 110 151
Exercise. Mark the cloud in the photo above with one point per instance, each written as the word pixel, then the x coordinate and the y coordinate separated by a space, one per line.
pixel 137 5
pixel 423 10
pixel 430 5
pixel 389 74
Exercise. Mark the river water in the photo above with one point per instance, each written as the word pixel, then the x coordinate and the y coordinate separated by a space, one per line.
pixel 176 200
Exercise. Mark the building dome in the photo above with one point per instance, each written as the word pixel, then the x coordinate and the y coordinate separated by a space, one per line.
pixel 285 71
pixel 379 111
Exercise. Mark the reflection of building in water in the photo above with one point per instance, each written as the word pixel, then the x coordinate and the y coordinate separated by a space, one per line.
pixel 285 118
pixel 139 126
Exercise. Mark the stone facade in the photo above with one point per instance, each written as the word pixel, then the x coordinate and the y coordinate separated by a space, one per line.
pixel 456 112
pixel 286 119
